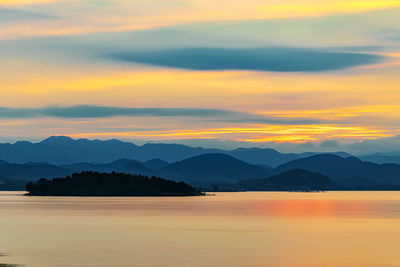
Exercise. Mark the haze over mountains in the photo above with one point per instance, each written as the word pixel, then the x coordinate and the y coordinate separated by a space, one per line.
pixel 61 156
pixel 392 157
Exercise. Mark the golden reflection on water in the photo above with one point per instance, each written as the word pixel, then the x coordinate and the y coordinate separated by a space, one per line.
pixel 228 229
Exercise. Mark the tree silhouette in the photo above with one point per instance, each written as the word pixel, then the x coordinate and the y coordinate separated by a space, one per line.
pixel 90 183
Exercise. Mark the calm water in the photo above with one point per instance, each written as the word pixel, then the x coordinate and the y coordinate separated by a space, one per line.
pixel 228 229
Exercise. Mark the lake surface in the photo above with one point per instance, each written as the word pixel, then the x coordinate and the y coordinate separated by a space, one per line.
pixel 228 229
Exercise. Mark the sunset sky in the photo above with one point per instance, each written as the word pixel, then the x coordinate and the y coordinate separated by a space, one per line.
pixel 301 75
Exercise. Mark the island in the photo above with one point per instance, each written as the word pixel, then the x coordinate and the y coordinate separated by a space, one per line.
pixel 89 183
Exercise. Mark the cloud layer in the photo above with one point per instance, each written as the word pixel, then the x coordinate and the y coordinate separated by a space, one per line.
pixel 88 111
pixel 268 59
pixel 13 15
pixel 95 50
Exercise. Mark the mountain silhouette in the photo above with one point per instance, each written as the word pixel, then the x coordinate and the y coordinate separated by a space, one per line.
pixel 218 169
pixel 170 152
pixel 65 150
pixel 266 168
pixel 8 184
pixel 381 158
pixel 293 180
pixel 156 164
pixel 203 169
pixel 338 168
pixel 61 150
pixel 30 171
pixel 135 167
pixel 213 168
pixel 34 171
pixel 59 156
pixel 262 156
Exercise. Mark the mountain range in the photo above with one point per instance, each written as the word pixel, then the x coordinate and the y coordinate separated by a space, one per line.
pixel 202 169
pixel 196 166
pixel 391 157
pixel 64 150
pixel 213 168
pixel 350 170
pixel 220 169
pixel 293 180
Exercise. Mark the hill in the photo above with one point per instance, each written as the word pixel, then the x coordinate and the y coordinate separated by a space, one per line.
pixel 338 168
pixel 294 180
pixel 109 184
pixel 156 164
pixel 31 171
pixel 262 156
pixel 213 168
pixel 381 158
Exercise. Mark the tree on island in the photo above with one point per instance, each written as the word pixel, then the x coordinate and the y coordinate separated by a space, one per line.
pixel 109 184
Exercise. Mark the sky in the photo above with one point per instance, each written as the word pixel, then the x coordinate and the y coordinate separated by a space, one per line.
pixel 296 75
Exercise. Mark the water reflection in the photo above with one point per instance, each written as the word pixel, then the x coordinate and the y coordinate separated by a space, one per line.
pixel 7 264
pixel 322 208
pixel 229 229
pixel 269 204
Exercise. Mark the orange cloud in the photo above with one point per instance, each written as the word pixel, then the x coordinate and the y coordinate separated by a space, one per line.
pixel 301 8
pixel 163 14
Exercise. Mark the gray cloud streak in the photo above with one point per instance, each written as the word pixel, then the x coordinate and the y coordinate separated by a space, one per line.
pixel 88 111
pixel 14 15
pixel 255 59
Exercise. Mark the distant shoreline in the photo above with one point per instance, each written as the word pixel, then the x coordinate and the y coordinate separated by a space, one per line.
pixel 210 193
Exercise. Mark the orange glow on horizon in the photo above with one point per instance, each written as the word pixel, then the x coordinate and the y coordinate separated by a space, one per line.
pixel 258 133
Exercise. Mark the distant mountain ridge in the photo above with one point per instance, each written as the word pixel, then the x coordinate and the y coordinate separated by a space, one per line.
pixel 213 167
pixel 200 170
pixel 61 150
pixel 198 166
pixel 338 168
pixel 31 170
pixel 296 180
pixel 381 158
pixel 219 169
